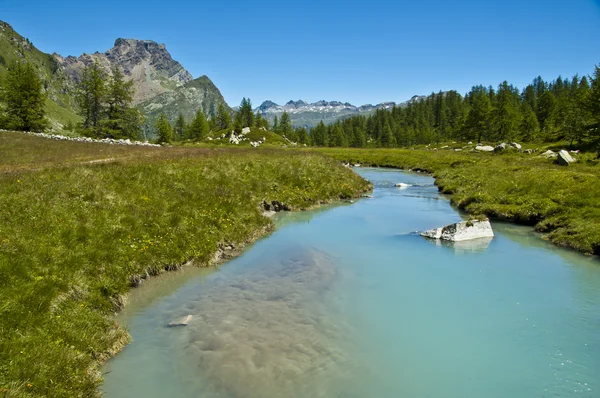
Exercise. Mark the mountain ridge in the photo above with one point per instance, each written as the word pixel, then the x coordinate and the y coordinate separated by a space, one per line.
pixel 304 114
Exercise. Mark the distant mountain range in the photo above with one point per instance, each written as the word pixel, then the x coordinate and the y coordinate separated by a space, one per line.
pixel 309 115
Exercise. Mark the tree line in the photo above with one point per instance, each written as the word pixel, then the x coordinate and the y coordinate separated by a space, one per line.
pixel 562 109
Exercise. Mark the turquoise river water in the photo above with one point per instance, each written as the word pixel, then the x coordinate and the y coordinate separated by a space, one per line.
pixel 347 301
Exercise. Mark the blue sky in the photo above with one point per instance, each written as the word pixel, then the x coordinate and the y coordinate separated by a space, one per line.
pixel 360 52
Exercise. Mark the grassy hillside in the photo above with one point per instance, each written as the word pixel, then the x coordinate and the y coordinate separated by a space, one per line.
pixel 561 202
pixel 81 223
pixel 59 107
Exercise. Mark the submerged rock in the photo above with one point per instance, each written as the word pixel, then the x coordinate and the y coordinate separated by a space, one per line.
pixel 564 158
pixel 401 185
pixel 184 321
pixel 461 231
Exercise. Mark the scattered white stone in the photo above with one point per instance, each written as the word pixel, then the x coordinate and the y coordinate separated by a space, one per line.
pixel 245 130
pixel 549 154
pixel 461 231
pixel 110 141
pixel 484 148
pixel 516 145
pixel 184 321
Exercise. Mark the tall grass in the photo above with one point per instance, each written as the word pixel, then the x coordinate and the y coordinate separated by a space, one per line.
pixel 562 202
pixel 81 223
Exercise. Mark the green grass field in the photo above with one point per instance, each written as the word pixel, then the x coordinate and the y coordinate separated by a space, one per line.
pixel 561 202
pixel 81 223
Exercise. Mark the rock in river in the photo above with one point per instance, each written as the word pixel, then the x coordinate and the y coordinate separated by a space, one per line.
pixel 461 231
pixel 181 321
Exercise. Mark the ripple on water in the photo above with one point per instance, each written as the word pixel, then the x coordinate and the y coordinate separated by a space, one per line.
pixel 269 333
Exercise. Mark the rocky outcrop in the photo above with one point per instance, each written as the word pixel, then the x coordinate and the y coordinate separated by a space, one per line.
pixel 147 63
pixel 199 94
pixel 465 230
pixel 564 158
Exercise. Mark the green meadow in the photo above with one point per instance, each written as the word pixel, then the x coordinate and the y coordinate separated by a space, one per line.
pixel 81 223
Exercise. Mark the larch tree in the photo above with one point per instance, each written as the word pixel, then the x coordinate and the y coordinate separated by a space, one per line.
pixel 198 128
pixel 164 130
pixel 91 97
pixel 24 99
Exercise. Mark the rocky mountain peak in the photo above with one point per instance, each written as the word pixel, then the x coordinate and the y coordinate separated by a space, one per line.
pixel 147 63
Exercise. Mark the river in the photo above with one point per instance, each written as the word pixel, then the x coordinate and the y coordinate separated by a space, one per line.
pixel 347 301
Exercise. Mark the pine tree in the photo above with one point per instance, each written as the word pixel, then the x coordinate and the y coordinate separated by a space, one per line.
pixel 285 125
pixel 479 117
pixel 223 118
pixel 24 99
pixel 387 139
pixel 238 123
pixel 593 106
pixel 120 120
pixel 546 113
pixel 319 135
pixel 506 112
pixel 303 137
pixel 91 97
pixel 180 127
pixel 164 130
pixel 530 127
pixel 275 125
pixel 198 129
pixel 247 114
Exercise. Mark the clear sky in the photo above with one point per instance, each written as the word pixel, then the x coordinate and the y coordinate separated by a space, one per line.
pixel 355 51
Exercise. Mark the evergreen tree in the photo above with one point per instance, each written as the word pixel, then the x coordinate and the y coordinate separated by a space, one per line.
pixel 180 127
pixel 163 128
pixel 387 139
pixel 24 99
pixel 238 123
pixel 285 125
pixel 506 112
pixel 546 113
pixel 91 96
pixel 199 128
pixel 223 118
pixel 120 120
pixel 303 137
pixel 246 113
pixel 275 125
pixel 530 127
pixel 479 117
pixel 319 135
pixel 593 106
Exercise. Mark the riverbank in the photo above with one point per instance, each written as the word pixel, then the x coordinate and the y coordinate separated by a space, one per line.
pixel 80 223
pixel 561 202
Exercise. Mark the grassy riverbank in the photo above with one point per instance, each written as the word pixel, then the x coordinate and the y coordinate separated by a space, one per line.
pixel 561 202
pixel 79 223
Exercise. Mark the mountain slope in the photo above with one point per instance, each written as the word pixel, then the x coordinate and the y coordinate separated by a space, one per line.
pixel 161 84
pixel 60 106
pixel 197 94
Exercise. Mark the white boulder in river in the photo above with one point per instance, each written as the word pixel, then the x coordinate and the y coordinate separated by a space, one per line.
pixel 461 231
